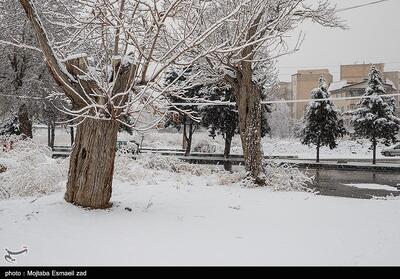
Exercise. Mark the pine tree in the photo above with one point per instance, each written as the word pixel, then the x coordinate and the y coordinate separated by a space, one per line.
pixel 374 117
pixel 322 121
pixel 10 126
pixel 224 119
pixel 179 118
pixel 221 120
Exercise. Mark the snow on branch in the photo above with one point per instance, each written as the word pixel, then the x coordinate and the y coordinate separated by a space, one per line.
pixel 110 57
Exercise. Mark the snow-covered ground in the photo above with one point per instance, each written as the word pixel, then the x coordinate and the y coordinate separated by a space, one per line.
pixel 203 224
pixel 166 212
pixel 373 186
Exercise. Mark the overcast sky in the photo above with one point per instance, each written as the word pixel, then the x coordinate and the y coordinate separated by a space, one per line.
pixel 373 36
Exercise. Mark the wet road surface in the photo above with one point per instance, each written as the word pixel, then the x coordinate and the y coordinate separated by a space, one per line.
pixel 332 183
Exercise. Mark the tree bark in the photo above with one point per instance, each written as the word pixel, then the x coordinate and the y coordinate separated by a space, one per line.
pixel 92 158
pixel 48 136
pixel 92 164
pixel 72 135
pixel 317 160
pixel 248 98
pixel 25 125
pixel 184 137
pixel 374 152
pixel 227 152
pixel 52 135
pixel 189 139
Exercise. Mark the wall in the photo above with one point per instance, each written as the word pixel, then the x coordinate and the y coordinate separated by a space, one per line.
pixel 303 82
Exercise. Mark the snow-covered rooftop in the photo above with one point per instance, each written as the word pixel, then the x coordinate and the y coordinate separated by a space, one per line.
pixel 388 81
pixel 337 85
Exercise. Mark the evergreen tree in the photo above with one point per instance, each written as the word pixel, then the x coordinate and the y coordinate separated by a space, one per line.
pixel 224 119
pixel 374 117
pixel 322 121
pixel 221 120
pixel 179 119
pixel 10 126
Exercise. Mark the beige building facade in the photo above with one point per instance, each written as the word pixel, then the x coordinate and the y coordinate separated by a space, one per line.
pixel 357 72
pixel 354 90
pixel 303 82
pixel 353 81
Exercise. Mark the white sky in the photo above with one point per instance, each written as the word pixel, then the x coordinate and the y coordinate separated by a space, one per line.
pixel 373 37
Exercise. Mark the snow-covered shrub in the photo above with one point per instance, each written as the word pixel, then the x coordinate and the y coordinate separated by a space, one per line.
pixel 280 177
pixel 156 139
pixel 228 178
pixel 30 169
pixel 284 177
pixel 149 166
pixel 158 162
pixel 205 146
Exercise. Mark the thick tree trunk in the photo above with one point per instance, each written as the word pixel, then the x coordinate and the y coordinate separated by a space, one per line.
pixel 25 125
pixel 374 152
pixel 92 164
pixel 227 152
pixel 248 97
pixel 92 158
pixel 317 160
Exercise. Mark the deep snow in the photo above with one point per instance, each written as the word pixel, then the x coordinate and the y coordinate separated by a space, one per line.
pixel 203 224
pixel 170 213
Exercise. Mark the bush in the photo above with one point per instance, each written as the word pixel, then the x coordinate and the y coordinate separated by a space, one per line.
pixel 204 146
pixel 31 170
pixel 3 168
pixel 284 177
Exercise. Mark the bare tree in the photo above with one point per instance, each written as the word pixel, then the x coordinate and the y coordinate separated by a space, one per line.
pixel 25 84
pixel 131 43
pixel 251 38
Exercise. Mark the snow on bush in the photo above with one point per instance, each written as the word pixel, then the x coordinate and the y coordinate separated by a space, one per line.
pixel 278 177
pixel 205 146
pixel 30 170
pixel 151 167
pixel 284 177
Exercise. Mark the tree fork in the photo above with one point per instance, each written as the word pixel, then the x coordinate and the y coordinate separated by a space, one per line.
pixel 92 158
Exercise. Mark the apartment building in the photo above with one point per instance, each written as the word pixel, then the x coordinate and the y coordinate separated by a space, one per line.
pixel 353 81
pixel 302 83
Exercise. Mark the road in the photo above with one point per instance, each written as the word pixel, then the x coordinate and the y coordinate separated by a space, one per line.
pixel 331 183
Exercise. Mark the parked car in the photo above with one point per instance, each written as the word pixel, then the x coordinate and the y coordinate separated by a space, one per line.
pixel 393 150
